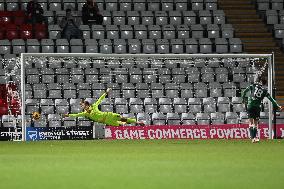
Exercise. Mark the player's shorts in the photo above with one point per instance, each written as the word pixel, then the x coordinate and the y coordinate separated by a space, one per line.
pixel 253 112
pixel 113 119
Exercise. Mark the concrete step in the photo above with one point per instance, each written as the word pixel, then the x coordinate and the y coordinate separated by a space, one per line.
pixel 251 29
pixel 238 12
pixel 238 7
pixel 252 35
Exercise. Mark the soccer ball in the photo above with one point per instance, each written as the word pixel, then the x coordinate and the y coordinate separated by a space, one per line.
pixel 36 116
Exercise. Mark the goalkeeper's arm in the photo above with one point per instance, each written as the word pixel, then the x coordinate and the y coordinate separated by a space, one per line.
pixel 244 94
pixel 99 101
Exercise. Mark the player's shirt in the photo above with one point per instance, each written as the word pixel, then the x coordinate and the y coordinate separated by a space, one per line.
pixel 257 94
pixel 94 113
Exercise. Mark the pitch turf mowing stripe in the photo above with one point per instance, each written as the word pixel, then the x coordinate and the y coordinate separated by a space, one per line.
pixel 142 164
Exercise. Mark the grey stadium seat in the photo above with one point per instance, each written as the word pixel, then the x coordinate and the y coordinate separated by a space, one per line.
pixel 47 106
pixel 158 119
pixel 150 105
pixel 136 105
pixel 188 119
pixel 223 104
pixel 173 119
pixel 180 105
pixel 217 118
pixel 165 105
pixel 194 105
pixel 202 119
pixel 209 105
pixel 232 118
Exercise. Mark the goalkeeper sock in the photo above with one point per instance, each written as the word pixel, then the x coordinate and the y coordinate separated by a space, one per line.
pixel 130 120
pixel 251 132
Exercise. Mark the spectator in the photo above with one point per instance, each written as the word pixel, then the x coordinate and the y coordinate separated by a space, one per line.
pixel 35 13
pixel 91 13
pixel 70 28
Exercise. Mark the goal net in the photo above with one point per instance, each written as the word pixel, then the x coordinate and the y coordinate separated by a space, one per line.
pixel 168 89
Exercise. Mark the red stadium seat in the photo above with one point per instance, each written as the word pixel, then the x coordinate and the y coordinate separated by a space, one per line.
pixel 40 31
pixel 26 31
pixel 12 32
pixel 5 17
pixel 2 33
pixel 19 17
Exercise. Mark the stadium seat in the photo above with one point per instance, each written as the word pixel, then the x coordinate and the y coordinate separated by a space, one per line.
pixel 19 46
pixel 12 32
pixel 217 118
pixel 271 17
pixel 119 18
pixel 5 46
pixel 231 118
pixel 205 45
pixel 121 105
pixel 263 4
pixel 161 18
pixel 119 46
pixel 210 4
pixel 136 105
pixel 40 91
pixel 213 31
pixel 205 17
pixel 177 46
pixel 105 46
pixel 209 105
pixel 221 74
pixel 55 5
pixel 49 16
pixel 180 105
pixel 54 90
pixel 243 117
pixel 223 104
pixel 69 4
pixel 227 31
pixel 76 45
pixel 175 18
pixel 191 46
pixel 200 90
pixel 238 74
pixel 202 118
pixel 54 31
pixel 230 89
pixel 134 46
pixel 19 17
pixel 62 46
pixel 54 120
pixel 125 5
pixel 158 119
pixel 148 46
pixel 237 104
pixel 277 4
pixel 91 46
pixel 215 89
pixel 197 31
pixel 221 45
pixel 162 46
pixel 169 32
pixel 194 105
pixel 219 17
pixel 279 31
pixel 173 119
pixel 144 117
pixel 26 31
pixel 47 106
pixel 147 18
pixel 47 46
pixel 165 105
pixel 142 90
pixel 107 105
pixel 188 119
pixel 186 90
pixel 33 46
pixel 235 45
pixel 181 5
pixel 111 5
pixel 189 17
pixel 47 75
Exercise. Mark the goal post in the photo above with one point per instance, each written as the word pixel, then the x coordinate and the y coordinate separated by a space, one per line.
pixel 268 57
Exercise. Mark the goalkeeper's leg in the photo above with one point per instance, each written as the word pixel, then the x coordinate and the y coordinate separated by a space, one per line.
pixel 131 120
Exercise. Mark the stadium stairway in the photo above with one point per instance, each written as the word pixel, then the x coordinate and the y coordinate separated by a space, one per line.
pixel 255 35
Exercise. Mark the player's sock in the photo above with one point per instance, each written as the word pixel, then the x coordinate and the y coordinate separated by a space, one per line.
pixel 130 120
pixel 254 132
pixel 251 131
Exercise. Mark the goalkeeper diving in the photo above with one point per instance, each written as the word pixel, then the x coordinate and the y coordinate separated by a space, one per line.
pixel 92 112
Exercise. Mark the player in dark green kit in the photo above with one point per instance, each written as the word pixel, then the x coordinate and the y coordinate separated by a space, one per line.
pixel 257 94
pixel 93 113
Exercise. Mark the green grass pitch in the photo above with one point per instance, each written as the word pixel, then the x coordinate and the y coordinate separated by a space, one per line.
pixel 142 164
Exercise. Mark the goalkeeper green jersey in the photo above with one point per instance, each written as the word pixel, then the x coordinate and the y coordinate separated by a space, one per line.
pixel 94 113
pixel 257 94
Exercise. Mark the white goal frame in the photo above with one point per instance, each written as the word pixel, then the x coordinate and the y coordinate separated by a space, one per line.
pixel 269 57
